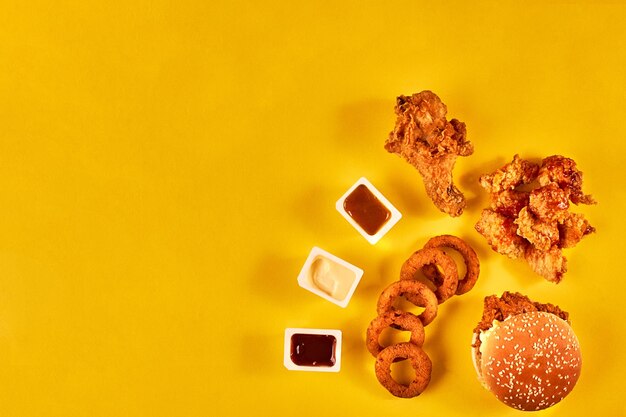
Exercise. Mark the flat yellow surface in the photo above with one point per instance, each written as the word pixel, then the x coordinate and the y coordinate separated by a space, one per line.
pixel 165 168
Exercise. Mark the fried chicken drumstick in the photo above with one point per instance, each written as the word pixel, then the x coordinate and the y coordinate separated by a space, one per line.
pixel 429 142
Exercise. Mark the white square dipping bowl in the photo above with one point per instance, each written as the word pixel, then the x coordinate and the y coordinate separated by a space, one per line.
pixel 292 366
pixel 329 276
pixel 391 221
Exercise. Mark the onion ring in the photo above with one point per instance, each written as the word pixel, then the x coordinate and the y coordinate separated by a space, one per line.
pixel 420 362
pixel 448 282
pixel 470 258
pixel 398 320
pixel 419 294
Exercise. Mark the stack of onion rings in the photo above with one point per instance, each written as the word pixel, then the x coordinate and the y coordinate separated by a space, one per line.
pixel 472 264
pixel 447 284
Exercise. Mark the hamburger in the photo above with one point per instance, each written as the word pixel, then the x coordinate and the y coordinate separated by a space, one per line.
pixel 525 352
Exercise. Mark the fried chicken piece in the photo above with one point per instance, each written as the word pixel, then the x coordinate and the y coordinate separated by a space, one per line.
pixel 509 202
pixel 573 228
pixel 563 171
pixel 501 234
pixel 535 224
pixel 541 234
pixel 516 173
pixel 510 304
pixel 429 142
pixel 550 264
pixel 549 203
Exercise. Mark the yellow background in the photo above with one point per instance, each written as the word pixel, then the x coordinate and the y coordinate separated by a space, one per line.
pixel 166 166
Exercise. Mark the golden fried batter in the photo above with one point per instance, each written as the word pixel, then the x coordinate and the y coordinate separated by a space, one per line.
pixel 549 203
pixel 516 173
pixel 535 224
pixel 501 234
pixel 563 172
pixel 542 235
pixel 509 202
pixel 428 141
pixel 573 229
pixel 550 264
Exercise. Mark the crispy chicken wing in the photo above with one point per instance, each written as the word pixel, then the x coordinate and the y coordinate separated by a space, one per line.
pixel 428 141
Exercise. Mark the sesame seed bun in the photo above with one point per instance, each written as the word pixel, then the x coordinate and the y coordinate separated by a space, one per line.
pixel 529 361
